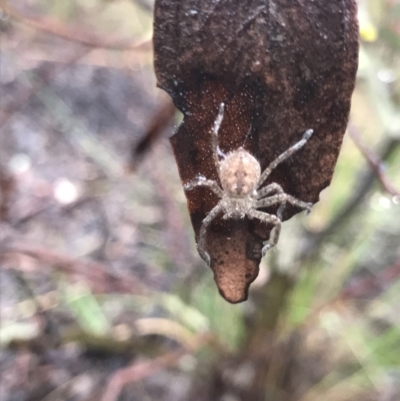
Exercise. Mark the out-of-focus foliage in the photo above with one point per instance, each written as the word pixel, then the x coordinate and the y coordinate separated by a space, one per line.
pixel 98 266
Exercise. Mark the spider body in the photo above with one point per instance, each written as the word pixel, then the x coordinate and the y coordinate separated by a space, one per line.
pixel 241 193
pixel 239 174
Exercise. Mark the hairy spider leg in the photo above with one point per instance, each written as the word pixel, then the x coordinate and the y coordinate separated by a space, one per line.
pixel 214 136
pixel 282 157
pixel 203 232
pixel 273 187
pixel 275 233
pixel 282 198
pixel 202 182
pixel 280 211
pixel 269 219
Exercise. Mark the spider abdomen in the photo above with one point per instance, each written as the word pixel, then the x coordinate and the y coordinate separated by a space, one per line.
pixel 239 173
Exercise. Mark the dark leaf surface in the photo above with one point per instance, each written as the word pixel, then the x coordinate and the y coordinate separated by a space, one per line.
pixel 281 67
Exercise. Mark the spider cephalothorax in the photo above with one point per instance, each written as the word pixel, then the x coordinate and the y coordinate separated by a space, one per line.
pixel 242 192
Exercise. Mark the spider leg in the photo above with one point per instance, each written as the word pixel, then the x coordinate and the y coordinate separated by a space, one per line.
pixel 271 219
pixel 280 211
pixel 282 157
pixel 203 232
pixel 202 182
pixel 275 233
pixel 283 198
pixel 214 136
pixel 274 187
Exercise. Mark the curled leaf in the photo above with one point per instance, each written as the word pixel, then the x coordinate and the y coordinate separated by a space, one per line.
pixel 281 67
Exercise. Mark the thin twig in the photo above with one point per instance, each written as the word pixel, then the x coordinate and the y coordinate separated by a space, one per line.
pixel 56 28
pixel 371 287
pixel 138 372
pixel 365 180
pixel 28 93
pixel 50 329
pixel 89 42
pixel 94 272
pixel 176 236
pixel 162 118
pixel 7 188
pixel 374 161
pixel 141 370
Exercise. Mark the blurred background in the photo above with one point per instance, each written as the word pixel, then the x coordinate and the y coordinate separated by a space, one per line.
pixel 103 295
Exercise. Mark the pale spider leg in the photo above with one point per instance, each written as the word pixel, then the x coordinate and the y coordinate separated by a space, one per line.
pixel 275 233
pixel 203 232
pixel 280 211
pixel 270 219
pixel 282 198
pixel 282 157
pixel 274 187
pixel 202 182
pixel 214 136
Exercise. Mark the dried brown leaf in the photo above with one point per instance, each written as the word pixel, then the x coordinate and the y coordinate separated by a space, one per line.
pixel 281 67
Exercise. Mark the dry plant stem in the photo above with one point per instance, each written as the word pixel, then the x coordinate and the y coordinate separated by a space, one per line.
pixel 138 372
pixel 365 181
pixel 89 45
pixel 372 287
pixel 142 370
pixel 163 116
pixel 7 187
pixel 374 161
pixel 176 237
pixel 95 273
pixel 366 288
pixel 38 86
pixel 272 297
pixel 56 28
pixel 50 328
